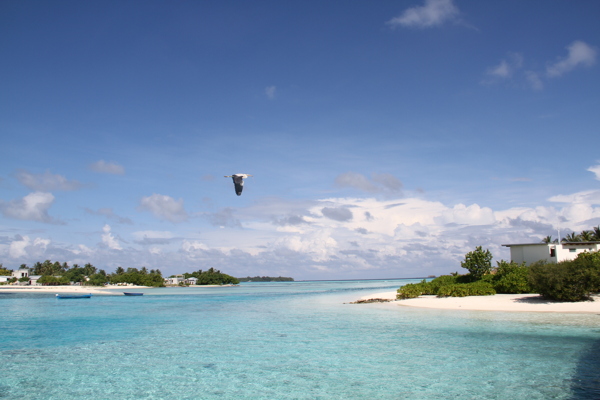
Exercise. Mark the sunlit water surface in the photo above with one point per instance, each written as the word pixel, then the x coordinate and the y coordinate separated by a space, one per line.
pixel 298 340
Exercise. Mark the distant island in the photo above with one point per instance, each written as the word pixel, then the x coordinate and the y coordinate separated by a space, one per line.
pixel 266 279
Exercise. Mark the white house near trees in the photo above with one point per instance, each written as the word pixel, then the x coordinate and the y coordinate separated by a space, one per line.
pixel 550 252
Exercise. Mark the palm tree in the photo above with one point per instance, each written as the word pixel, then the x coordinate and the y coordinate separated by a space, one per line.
pixel 597 233
pixel 572 237
pixel 586 236
pixel 547 239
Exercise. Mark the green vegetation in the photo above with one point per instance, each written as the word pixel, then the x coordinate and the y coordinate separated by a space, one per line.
pixel 55 273
pixel 574 280
pixel 266 279
pixel 141 277
pixel 592 235
pixel 511 277
pixel 212 277
pixel 479 288
pixel 478 262
pixel 448 286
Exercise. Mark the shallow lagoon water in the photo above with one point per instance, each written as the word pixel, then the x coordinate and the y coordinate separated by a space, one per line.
pixel 298 340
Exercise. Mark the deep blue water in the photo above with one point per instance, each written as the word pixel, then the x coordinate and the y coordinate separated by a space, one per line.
pixel 297 340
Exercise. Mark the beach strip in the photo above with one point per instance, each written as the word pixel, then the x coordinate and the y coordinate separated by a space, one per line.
pixel 498 302
pixel 96 290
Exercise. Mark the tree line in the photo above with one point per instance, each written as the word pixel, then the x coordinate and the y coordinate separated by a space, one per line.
pixel 55 273
pixel 266 279
pixel 212 277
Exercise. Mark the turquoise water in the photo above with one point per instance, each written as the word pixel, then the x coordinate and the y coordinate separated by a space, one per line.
pixel 294 340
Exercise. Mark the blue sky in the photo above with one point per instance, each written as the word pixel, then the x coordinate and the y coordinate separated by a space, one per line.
pixel 385 139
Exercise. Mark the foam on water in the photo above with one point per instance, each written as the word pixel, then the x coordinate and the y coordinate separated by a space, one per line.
pixel 288 341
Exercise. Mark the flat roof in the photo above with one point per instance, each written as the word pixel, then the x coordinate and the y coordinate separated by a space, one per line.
pixel 547 244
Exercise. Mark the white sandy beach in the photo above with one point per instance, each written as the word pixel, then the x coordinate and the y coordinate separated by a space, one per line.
pixel 69 289
pixel 498 302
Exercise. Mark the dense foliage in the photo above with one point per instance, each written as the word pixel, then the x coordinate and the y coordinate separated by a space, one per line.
pixel 55 273
pixel 49 268
pixel 479 288
pixel 511 277
pixel 212 277
pixel 447 285
pixel 572 280
pixel 478 262
pixel 141 277
pixel 266 279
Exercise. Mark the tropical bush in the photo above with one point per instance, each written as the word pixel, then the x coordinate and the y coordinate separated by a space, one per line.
pixel 478 262
pixel 466 289
pixel 573 280
pixel 412 290
pixel 511 278
pixel 53 280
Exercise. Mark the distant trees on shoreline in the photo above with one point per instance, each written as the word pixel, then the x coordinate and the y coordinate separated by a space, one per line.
pixel 266 279
pixel 212 277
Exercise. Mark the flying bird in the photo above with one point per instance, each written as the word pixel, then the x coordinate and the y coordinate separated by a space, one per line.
pixel 238 181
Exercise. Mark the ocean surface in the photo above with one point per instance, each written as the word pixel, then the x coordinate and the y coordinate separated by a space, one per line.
pixel 295 340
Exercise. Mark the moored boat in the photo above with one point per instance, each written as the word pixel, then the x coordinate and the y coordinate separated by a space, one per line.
pixel 73 296
pixel 133 294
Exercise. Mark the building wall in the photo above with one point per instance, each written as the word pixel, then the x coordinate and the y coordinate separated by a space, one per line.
pixel 20 273
pixel 570 251
pixel 530 253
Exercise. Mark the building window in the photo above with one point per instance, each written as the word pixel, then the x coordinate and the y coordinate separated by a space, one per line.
pixel 572 250
pixel 552 252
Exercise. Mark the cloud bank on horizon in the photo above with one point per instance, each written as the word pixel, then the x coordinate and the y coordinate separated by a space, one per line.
pixel 387 143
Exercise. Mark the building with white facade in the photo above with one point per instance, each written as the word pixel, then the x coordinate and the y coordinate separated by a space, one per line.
pixel 550 252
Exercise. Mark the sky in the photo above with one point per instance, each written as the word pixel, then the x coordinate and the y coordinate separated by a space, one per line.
pixel 386 139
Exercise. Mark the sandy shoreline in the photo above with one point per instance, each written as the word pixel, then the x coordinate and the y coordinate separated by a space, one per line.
pixel 106 290
pixel 498 302
pixel 70 289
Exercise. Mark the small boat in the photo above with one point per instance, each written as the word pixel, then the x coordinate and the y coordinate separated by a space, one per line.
pixel 133 294
pixel 73 296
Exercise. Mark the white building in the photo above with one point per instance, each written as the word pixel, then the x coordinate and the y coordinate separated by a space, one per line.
pixel 175 280
pixel 550 252
pixel 20 273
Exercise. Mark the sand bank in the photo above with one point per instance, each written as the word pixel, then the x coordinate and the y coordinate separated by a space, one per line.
pixel 498 302
pixel 108 290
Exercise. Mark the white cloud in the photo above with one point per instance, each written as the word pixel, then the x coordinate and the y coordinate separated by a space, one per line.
pixel 109 240
pixel 33 207
pixel 595 170
pixel 432 13
pixel 588 196
pixel 164 207
pixel 22 247
pixel 46 182
pixel 329 238
pixel 107 168
pixel 270 92
pixel 506 68
pixel 468 215
pixel 534 80
pixel 580 54
pixel 502 70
